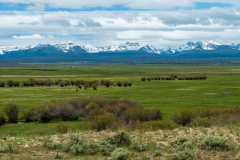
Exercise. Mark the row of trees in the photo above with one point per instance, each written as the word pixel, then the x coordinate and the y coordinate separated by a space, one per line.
pixel 173 77
pixel 79 83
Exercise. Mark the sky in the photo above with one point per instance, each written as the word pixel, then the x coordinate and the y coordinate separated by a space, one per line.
pixel 160 23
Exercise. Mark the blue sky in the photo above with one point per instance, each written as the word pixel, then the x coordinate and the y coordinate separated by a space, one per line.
pixel 160 23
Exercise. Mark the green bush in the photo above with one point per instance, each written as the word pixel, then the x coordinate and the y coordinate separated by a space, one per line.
pixel 200 122
pixel 102 81
pixel 120 154
pixel 136 114
pixel 148 79
pixel 181 77
pixel 119 84
pixel 102 122
pixel 120 139
pixel 61 128
pixel 143 78
pixel 16 83
pixel 86 85
pixel 61 83
pixel 66 111
pixel 47 112
pixel 129 83
pixel 48 82
pixel 157 153
pixel 10 83
pixel 107 83
pixel 11 111
pixel 2 119
pixel 184 117
pixel 157 125
pixel 94 86
pixel 2 84
pixel 215 143
pixel 139 146
pixel 155 114
pixel 125 84
pixel 27 115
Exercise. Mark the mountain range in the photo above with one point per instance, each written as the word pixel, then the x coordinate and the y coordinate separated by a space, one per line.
pixel 72 52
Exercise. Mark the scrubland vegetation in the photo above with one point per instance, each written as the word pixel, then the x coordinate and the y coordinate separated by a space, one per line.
pixel 165 117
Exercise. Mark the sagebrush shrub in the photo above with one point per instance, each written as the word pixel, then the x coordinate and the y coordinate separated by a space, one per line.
pixel 187 154
pixel 120 139
pixel 106 148
pixel 11 111
pixel 120 154
pixel 179 141
pixel 6 149
pixel 157 153
pixel 215 143
pixel 2 119
pixel 61 128
pixel 184 116
pixel 139 146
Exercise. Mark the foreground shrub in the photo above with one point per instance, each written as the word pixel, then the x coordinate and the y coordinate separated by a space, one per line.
pixel 102 122
pixel 61 128
pixel 85 149
pixel 120 154
pixel 157 153
pixel 11 111
pixel 139 146
pixel 187 154
pixel 157 125
pixel 6 149
pixel 184 117
pixel 106 148
pixel 2 119
pixel 184 148
pixel 120 139
pixel 66 111
pixel 136 114
pixel 215 143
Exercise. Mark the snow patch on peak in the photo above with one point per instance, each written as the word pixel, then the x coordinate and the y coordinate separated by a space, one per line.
pixel 210 45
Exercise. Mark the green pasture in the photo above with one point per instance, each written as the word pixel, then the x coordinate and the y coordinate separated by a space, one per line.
pixel 169 96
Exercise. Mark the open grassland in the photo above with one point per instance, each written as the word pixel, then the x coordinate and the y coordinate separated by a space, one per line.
pixel 170 96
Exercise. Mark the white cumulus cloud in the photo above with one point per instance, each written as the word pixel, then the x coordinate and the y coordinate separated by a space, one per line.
pixel 34 36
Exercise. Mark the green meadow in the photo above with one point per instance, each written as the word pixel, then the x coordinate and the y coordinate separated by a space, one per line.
pixel 221 89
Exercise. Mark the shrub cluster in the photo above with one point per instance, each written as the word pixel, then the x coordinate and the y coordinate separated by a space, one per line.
pixel 11 111
pixel 191 77
pixel 107 146
pixel 158 78
pixel 206 117
pixel 183 148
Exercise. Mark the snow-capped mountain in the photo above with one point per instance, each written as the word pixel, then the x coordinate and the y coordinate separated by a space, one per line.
pixel 69 47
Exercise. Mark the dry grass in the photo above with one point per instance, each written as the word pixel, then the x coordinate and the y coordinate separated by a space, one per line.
pixel 31 147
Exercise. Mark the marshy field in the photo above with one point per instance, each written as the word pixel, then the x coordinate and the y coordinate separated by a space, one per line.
pixel 120 111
